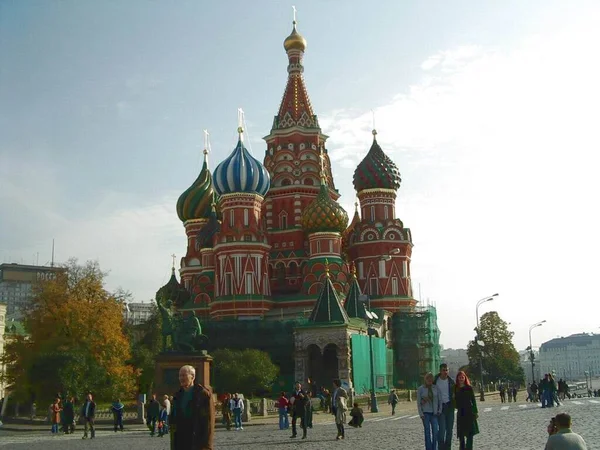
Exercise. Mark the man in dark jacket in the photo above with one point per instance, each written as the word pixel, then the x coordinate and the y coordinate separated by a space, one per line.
pixel 446 419
pixel 88 413
pixel 68 416
pixel 192 420
pixel 117 409
pixel 152 414
pixel 299 403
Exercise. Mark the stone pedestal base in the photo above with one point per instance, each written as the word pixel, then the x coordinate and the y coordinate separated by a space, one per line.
pixel 166 374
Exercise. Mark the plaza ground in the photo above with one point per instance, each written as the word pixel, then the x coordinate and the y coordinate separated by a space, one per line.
pixel 520 426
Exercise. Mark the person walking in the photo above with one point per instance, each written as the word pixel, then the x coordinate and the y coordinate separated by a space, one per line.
pixel 117 409
pixel 339 399
pixel 467 413
pixel 393 400
pixel 68 416
pixel 237 407
pixel 446 419
pixel 55 410
pixel 299 402
pixel 226 410
pixel 562 437
pixel 152 414
pixel 88 413
pixel 429 405
pixel 192 419
pixel 282 405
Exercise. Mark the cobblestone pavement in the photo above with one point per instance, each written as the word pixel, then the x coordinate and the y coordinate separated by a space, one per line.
pixel 508 426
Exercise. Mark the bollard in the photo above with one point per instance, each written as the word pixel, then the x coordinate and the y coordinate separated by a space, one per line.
pixel 409 395
pixel 246 415
pixel 263 407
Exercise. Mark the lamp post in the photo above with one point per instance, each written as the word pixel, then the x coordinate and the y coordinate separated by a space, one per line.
pixel 531 355
pixel 370 318
pixel 480 302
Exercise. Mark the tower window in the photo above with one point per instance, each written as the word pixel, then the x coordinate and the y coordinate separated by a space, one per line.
pixel 318 245
pixel 361 270
pixel 394 286
pixel 283 221
pixel 228 284
pixel 249 284
pixel 330 246
pixel 231 218
pixel 248 238
pixel 385 213
pixel 246 217
pixel 373 288
pixel 382 269
pixel 372 214
pixel 405 269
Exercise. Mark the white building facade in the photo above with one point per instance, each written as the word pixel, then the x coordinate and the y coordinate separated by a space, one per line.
pixel 137 313
pixel 572 356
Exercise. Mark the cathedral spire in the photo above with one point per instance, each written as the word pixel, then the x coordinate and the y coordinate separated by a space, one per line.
pixel 295 108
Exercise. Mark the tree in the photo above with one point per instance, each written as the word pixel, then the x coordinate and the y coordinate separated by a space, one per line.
pixel 75 340
pixel 249 371
pixel 500 358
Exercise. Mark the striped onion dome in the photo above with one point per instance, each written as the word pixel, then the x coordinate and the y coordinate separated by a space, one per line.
pixel 376 170
pixel 196 202
pixel 241 172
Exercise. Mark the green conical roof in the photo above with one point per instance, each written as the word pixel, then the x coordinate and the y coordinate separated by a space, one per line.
pixel 328 307
pixel 353 306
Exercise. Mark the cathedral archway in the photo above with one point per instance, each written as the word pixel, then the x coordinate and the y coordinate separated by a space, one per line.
pixel 330 364
pixel 315 365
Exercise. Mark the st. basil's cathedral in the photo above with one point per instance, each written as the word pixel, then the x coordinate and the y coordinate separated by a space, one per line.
pixel 272 262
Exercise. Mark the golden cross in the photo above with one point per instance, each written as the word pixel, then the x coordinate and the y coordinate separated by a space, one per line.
pixel 173 256
pixel 294 8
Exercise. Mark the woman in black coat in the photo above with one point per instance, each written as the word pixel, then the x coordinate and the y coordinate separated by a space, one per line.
pixel 466 411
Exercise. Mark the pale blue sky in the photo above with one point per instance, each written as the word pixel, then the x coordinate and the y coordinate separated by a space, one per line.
pixel 486 107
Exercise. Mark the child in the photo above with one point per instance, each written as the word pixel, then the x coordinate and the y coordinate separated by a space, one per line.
pixel 357 416
pixel 163 427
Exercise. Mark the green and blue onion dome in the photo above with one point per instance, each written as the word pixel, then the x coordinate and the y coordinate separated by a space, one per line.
pixel 241 172
pixel 324 214
pixel 196 202
pixel 376 170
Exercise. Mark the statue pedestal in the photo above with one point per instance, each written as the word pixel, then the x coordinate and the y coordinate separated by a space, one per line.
pixel 166 374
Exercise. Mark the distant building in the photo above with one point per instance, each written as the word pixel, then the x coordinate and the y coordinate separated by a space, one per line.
pixel 455 358
pixel 2 327
pixel 570 357
pixel 16 285
pixel 525 361
pixel 137 313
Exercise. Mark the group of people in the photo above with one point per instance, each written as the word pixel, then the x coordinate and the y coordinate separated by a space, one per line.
pixel 157 415
pixel 508 392
pixel 232 406
pixel 437 399
pixel 62 416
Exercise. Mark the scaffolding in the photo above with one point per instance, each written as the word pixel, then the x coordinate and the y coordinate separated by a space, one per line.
pixel 416 344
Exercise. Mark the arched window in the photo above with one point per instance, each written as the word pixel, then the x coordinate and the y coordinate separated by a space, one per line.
pixel 286 182
pixel 280 273
pixel 293 269
pixel 309 182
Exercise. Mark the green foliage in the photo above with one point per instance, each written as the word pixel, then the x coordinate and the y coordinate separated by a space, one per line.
pixel 248 371
pixel 500 358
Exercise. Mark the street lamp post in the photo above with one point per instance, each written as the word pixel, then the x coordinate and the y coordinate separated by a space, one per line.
pixel 480 302
pixel 370 318
pixel 531 355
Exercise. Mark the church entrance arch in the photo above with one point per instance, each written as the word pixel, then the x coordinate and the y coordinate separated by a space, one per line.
pixel 330 364
pixel 315 364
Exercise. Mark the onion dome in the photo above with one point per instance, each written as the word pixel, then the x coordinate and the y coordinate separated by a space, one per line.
pixel 324 214
pixel 241 172
pixel 295 41
pixel 196 201
pixel 173 292
pixel 376 170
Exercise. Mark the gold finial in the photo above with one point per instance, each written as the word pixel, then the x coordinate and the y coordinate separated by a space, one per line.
pixel 353 269
pixel 374 132
pixel 173 267
pixel 322 158
pixel 326 267
pixel 374 128
pixel 356 207
pixel 240 128
pixel 206 145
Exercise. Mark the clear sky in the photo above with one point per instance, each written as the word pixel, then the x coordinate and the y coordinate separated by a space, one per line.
pixel 489 109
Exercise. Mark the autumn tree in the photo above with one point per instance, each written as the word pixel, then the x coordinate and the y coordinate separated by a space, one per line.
pixel 249 371
pixel 500 358
pixel 75 340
